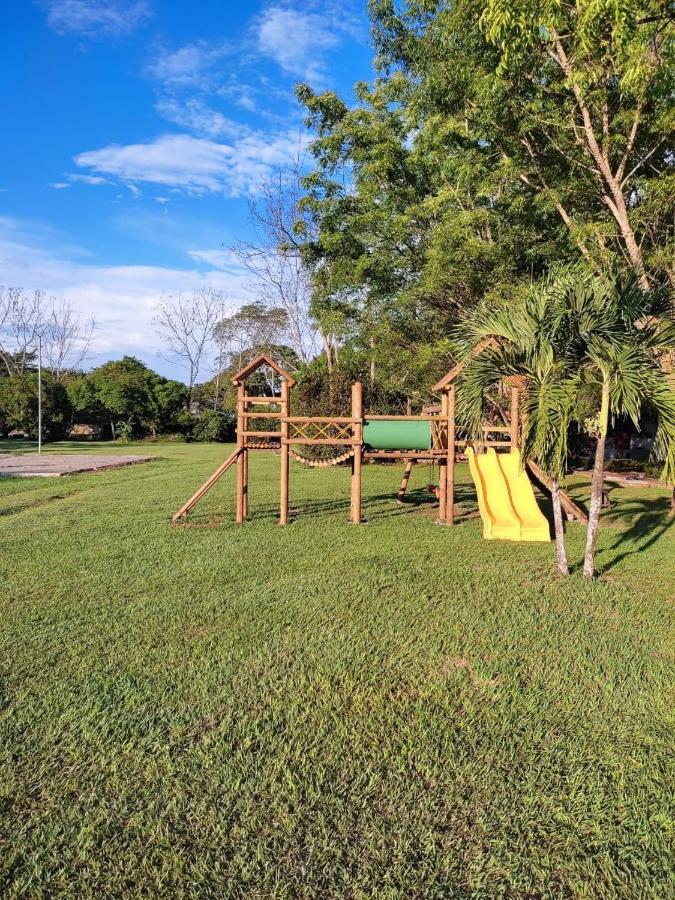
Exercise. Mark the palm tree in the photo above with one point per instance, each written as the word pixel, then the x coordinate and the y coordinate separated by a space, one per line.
pixel 521 342
pixel 574 332
pixel 616 334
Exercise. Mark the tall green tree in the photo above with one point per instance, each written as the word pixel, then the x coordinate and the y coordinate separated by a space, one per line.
pixel 128 390
pixel 574 100
pixel 410 227
pixel 498 137
pixel 19 404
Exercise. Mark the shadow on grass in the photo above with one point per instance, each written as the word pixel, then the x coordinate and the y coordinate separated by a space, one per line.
pixel 374 507
pixel 651 518
pixel 17 446
pixel 31 504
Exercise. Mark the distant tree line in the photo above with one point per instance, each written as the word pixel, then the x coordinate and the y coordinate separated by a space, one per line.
pixel 124 398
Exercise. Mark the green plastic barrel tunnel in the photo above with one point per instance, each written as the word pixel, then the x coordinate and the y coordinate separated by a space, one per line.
pixel 395 434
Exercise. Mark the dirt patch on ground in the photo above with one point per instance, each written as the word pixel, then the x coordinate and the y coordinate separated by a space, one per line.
pixel 53 465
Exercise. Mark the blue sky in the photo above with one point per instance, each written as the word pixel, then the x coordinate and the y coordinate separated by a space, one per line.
pixel 135 133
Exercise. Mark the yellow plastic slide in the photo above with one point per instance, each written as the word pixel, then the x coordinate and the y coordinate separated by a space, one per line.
pixel 506 500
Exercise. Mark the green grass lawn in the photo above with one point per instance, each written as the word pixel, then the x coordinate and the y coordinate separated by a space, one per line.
pixel 395 710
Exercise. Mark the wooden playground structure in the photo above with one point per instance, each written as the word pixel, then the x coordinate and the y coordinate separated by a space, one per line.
pixel 429 437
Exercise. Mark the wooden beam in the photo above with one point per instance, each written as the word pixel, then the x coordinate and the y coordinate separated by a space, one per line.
pixel 404 454
pixel 448 378
pixel 409 463
pixel 311 441
pixel 284 466
pixel 245 495
pixel 241 440
pixel 208 484
pixel 515 412
pixel 264 434
pixel 321 420
pixel 443 468
pixel 262 360
pixel 450 465
pixel 357 429
pixel 572 510
pixel 424 418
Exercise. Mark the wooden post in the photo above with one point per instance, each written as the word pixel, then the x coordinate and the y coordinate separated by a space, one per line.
pixel 409 463
pixel 284 472
pixel 357 432
pixel 514 418
pixel 245 495
pixel 241 440
pixel 450 463
pixel 443 469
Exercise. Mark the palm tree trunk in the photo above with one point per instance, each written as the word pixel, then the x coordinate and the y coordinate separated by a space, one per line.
pixel 597 484
pixel 560 551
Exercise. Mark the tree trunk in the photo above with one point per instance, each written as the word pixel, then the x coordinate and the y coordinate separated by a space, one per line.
pixel 597 485
pixel 328 351
pixel 372 361
pixel 191 388
pixel 619 210
pixel 560 551
pixel 613 197
pixel 112 429
pixel 216 393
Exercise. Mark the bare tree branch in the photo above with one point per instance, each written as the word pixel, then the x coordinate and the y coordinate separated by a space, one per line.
pixel 186 326
pixel 27 318
pixel 274 259
pixel 65 338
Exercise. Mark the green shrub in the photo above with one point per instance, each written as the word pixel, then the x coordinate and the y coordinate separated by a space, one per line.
pixel 214 425
pixel 125 430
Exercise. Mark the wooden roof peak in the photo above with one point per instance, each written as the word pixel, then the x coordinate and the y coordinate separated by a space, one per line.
pixel 450 376
pixel 262 360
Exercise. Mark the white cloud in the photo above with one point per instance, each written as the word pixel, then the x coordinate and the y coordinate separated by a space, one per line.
pixel 96 17
pixel 88 179
pixel 74 177
pixel 225 260
pixel 195 115
pixel 197 165
pixel 240 93
pixel 298 36
pixel 122 299
pixel 193 65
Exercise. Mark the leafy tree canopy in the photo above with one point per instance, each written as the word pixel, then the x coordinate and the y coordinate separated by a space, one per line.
pixel 499 137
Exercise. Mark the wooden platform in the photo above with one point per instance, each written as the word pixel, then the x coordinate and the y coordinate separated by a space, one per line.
pixel 53 465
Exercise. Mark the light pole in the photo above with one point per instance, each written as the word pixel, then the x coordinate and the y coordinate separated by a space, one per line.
pixel 39 392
